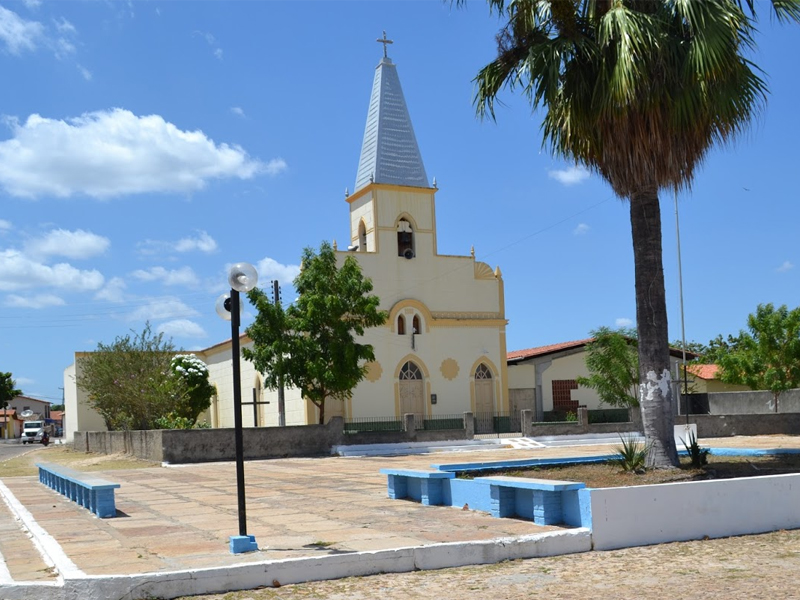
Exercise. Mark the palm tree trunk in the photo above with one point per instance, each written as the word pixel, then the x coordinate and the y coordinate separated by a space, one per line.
pixel 655 385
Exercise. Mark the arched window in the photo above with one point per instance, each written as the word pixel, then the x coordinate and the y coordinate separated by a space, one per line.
pixel 482 372
pixel 401 325
pixel 410 372
pixel 415 324
pixel 405 239
pixel 362 236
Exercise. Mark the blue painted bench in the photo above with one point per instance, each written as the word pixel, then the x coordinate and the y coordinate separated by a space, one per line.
pixel 424 486
pixel 539 500
pixel 89 491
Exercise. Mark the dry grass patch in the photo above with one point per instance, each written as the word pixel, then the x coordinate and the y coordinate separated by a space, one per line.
pixel 24 465
pixel 601 475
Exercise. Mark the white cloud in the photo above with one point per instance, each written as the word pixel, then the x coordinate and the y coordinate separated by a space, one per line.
pixel 35 301
pixel 275 166
pixel 270 269
pixel 570 176
pixel 182 276
pixel 85 73
pixel 581 229
pixel 18 272
pixel 17 33
pixel 112 153
pixel 786 266
pixel 237 110
pixel 23 381
pixel 166 307
pixel 64 26
pixel 182 328
pixel 4 225
pixel 211 41
pixel 72 244
pixel 203 242
pixel 113 291
pixel 624 322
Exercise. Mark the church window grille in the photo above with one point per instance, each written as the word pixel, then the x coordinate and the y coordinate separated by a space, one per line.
pixel 410 371
pixel 483 372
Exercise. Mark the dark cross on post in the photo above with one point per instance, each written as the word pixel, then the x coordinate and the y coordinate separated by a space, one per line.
pixel 384 41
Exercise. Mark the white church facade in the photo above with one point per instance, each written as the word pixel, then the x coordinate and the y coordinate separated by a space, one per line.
pixel 442 350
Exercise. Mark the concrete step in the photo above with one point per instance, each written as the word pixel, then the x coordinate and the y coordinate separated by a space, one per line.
pixel 419 447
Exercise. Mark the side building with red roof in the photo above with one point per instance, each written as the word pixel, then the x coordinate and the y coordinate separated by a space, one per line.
pixel 543 379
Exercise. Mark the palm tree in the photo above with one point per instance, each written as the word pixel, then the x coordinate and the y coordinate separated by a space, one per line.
pixel 637 91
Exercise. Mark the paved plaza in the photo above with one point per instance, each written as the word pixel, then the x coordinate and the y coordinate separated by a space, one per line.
pixel 179 518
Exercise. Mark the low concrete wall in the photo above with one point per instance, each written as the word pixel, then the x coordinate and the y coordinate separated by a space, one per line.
pixel 752 403
pixel 142 444
pixel 674 512
pixel 729 425
pixel 178 446
pixel 581 426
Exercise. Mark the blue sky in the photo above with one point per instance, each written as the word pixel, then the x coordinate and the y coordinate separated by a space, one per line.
pixel 145 146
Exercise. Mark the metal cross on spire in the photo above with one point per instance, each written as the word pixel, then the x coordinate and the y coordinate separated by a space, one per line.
pixel 384 41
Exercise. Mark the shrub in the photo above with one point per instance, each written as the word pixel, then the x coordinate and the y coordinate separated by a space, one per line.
pixel 632 455
pixel 698 455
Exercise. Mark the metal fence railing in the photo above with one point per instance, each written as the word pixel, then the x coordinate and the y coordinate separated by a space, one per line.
pixel 559 416
pixel 497 423
pixel 609 415
pixel 364 424
pixel 438 422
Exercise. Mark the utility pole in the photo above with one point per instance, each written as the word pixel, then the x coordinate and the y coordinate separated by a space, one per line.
pixel 276 291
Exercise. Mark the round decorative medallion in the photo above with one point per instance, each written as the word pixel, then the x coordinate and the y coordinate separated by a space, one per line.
pixel 449 368
pixel 374 371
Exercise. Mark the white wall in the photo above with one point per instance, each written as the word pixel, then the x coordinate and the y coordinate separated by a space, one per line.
pixel 78 415
pixel 655 514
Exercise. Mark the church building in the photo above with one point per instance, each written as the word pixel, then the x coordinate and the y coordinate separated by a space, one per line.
pixel 442 350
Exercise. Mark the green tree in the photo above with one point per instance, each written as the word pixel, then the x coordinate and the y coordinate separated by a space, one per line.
pixel 613 363
pixel 130 381
pixel 768 356
pixel 637 91
pixel 8 391
pixel 312 344
pixel 199 391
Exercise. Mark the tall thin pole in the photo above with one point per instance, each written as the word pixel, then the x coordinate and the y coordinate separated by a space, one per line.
pixel 276 289
pixel 237 411
pixel 683 327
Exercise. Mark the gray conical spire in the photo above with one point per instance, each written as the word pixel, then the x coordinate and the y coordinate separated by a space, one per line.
pixel 389 152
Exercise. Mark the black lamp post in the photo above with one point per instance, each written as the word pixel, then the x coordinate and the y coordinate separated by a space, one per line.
pixel 242 278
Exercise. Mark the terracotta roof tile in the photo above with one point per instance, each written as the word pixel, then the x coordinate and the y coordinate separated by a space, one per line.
pixel 542 350
pixel 704 371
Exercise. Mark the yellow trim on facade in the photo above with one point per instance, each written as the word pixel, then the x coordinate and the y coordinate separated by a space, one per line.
pixel 469 323
pixel 389 187
pixel 311 412
pixel 506 403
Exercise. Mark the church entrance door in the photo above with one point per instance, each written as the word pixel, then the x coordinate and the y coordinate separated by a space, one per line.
pixel 412 392
pixel 484 400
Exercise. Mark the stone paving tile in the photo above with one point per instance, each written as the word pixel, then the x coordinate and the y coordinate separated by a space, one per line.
pixel 180 518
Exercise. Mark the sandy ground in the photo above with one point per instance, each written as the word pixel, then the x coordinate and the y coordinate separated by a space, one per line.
pixel 749 567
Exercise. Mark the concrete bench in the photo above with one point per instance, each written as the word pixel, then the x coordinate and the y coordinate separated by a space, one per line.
pixel 424 486
pixel 537 499
pixel 89 491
